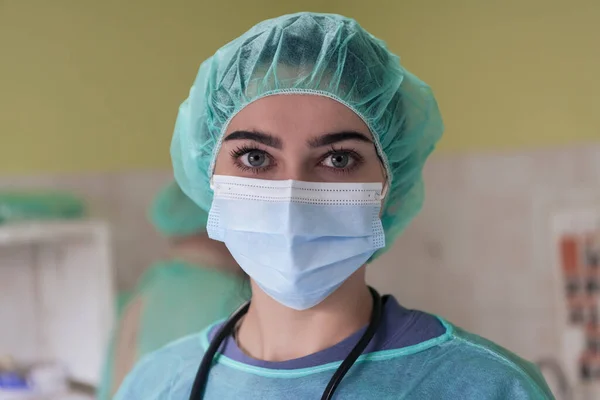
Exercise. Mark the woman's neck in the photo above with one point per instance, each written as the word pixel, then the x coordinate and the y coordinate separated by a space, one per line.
pixel 273 332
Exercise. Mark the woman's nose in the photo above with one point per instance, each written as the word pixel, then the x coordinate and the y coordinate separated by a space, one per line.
pixel 298 170
pixel 298 173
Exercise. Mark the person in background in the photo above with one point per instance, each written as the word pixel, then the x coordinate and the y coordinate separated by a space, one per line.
pixel 200 283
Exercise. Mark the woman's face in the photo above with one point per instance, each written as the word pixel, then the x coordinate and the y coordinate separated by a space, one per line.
pixel 301 137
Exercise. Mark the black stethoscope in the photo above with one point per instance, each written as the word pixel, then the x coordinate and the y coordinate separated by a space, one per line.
pixel 229 326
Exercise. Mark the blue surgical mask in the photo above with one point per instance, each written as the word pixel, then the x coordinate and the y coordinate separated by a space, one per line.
pixel 299 241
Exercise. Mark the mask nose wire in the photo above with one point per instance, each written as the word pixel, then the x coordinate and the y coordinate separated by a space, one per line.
pixel 381 196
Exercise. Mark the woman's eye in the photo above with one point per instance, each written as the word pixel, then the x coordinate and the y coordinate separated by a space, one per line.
pixel 255 159
pixel 339 160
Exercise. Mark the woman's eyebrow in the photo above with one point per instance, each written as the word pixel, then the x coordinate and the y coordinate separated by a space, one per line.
pixel 260 137
pixel 331 138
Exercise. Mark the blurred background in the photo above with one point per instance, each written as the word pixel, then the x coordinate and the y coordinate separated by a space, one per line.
pixel 507 245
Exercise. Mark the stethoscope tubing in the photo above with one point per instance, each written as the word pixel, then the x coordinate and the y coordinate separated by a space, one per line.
pixel 228 327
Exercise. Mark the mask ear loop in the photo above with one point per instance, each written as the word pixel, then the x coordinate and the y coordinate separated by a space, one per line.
pixel 386 183
pixel 384 190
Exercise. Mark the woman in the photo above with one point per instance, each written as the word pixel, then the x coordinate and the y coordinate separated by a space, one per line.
pixel 198 284
pixel 313 138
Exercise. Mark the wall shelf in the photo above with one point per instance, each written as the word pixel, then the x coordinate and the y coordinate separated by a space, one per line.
pixel 56 294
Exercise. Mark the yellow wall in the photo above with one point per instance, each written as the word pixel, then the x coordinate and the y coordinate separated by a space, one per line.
pixel 96 85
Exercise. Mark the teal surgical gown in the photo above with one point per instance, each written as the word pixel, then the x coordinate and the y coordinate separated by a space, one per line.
pixel 454 365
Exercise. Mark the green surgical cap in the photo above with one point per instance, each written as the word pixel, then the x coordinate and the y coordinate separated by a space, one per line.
pixel 174 214
pixel 318 54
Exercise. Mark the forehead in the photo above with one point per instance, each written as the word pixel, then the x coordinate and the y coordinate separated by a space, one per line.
pixel 297 116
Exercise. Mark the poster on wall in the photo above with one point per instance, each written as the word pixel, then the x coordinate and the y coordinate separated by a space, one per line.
pixel 578 243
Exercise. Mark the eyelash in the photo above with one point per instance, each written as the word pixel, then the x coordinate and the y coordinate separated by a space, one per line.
pixel 245 149
pixel 358 159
